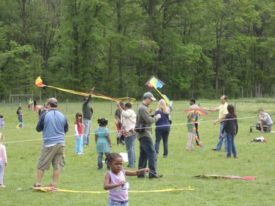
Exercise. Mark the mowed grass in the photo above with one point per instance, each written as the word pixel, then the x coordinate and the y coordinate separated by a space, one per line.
pixel 80 173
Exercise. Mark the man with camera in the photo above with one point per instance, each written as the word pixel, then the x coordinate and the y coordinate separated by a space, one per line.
pixel 144 135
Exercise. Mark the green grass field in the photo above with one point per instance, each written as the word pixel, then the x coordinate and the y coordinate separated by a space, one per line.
pixel 80 173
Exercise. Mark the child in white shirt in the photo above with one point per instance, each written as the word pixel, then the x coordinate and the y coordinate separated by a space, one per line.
pixel 3 160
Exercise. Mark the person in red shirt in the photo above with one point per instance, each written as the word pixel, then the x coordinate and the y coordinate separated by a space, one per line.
pixel 79 129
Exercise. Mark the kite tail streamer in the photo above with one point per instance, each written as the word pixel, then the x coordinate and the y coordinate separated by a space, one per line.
pixel 85 94
pixel 39 83
pixel 48 189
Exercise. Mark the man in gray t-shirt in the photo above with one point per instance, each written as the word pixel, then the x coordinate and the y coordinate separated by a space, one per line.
pixel 144 135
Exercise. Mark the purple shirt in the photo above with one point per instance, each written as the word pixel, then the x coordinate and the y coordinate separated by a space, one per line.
pixel 120 193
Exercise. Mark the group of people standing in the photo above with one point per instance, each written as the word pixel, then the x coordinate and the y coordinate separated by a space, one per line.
pixel 127 121
pixel 132 125
pixel 54 126
pixel 227 120
pixel 139 125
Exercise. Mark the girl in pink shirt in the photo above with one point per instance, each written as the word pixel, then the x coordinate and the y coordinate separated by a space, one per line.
pixel 3 160
pixel 115 180
pixel 79 129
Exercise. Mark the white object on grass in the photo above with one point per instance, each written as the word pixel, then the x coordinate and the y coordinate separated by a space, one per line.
pixel 124 156
pixel 260 138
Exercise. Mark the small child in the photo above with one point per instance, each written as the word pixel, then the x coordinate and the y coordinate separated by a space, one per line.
pixel 230 128
pixel 2 121
pixel 3 160
pixel 19 113
pixel 102 139
pixel 115 180
pixel 79 129
pixel 191 120
pixel 193 105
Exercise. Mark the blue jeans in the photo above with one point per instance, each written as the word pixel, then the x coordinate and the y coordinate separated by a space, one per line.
pixel 162 134
pixel 79 144
pixel 230 145
pixel 115 203
pixel 130 146
pixel 221 139
pixel 147 152
pixel 86 135
pixel 100 160
pixel 2 169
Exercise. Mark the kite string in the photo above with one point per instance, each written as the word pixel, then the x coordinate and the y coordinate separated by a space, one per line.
pixel 114 131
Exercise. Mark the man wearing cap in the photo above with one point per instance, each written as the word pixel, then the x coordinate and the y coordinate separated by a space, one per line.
pixel 54 125
pixel 144 134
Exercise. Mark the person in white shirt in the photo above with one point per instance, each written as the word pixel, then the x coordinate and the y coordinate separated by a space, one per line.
pixel 3 160
pixel 128 120
pixel 265 121
pixel 222 113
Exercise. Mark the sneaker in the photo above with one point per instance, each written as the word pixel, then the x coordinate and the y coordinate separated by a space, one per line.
pixel 155 176
pixel 2 186
pixel 36 185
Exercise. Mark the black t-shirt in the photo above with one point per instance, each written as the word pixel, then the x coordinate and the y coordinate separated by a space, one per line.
pixel 230 124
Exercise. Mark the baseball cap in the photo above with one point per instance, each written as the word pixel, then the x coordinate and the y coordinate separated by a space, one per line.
pixel 52 101
pixel 149 95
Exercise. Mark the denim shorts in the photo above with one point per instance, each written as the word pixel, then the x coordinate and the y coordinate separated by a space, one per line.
pixel 117 203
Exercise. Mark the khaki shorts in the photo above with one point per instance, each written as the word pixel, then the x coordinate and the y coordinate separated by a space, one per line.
pixel 51 155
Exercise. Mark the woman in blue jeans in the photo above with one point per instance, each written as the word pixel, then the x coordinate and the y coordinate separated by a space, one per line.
pixel 162 127
pixel 230 128
pixel 128 121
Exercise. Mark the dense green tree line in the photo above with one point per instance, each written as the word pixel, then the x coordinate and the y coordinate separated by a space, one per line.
pixel 198 48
